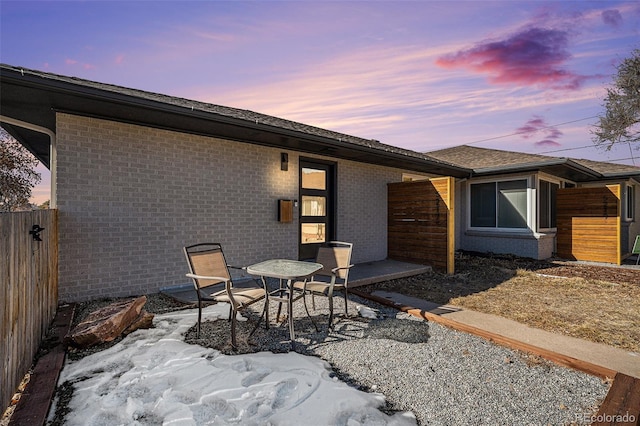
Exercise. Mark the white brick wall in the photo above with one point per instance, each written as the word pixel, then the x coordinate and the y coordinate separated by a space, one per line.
pixel 362 208
pixel 130 197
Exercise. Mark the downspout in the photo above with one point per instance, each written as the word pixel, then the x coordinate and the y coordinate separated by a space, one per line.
pixel 52 150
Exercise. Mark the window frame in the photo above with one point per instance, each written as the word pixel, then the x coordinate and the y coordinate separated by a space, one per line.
pixel 552 206
pixel 630 200
pixel 528 191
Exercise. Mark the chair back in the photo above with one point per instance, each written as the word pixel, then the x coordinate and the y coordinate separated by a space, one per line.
pixel 334 254
pixel 207 259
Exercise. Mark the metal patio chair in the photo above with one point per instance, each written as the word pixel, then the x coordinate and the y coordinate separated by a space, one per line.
pixel 335 257
pixel 213 283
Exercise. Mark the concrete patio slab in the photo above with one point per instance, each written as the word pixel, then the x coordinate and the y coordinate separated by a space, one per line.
pixel 361 274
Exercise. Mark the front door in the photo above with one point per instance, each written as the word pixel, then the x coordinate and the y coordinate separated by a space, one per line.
pixel 317 206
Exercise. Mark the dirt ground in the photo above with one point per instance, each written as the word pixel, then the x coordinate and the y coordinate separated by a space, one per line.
pixel 592 302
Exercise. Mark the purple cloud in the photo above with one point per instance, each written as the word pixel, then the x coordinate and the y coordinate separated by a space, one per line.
pixel 538 124
pixel 531 127
pixel 612 18
pixel 547 143
pixel 533 56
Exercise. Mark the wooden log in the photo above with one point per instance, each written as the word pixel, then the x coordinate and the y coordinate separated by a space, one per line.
pixel 33 406
pixel 622 403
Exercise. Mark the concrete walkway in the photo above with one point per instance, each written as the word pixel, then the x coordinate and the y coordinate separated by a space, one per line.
pixel 577 353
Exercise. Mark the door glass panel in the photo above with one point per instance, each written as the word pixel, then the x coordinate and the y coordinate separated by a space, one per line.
pixel 313 233
pixel 313 206
pixel 314 179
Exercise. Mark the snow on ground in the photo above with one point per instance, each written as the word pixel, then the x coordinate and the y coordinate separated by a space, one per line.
pixel 153 377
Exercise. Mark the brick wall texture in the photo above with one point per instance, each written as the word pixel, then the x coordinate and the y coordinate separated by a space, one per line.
pixel 130 197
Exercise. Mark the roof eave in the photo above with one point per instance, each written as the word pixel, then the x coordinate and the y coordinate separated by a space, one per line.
pixel 98 102
pixel 561 167
pixel 521 167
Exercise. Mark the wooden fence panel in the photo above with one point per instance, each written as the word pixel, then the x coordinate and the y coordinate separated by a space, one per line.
pixel 421 223
pixel 588 221
pixel 28 294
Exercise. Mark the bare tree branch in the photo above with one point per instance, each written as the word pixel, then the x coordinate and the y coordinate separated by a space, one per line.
pixel 621 120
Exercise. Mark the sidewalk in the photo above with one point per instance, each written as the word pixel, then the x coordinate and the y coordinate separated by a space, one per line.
pixel 601 360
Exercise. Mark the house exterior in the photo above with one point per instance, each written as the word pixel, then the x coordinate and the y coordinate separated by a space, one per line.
pixel 508 203
pixel 137 175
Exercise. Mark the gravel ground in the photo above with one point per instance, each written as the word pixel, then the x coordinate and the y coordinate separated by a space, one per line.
pixel 443 376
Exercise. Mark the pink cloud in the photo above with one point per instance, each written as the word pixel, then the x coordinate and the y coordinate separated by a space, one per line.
pixel 119 59
pixel 538 124
pixel 533 56
pixel 73 62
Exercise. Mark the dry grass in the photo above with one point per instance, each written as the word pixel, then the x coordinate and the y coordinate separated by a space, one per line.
pixel 600 304
pixel 598 311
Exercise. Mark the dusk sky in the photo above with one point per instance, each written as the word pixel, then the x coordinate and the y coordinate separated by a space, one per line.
pixel 527 76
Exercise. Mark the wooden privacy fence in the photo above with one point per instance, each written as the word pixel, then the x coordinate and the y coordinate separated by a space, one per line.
pixel 588 222
pixel 421 223
pixel 29 291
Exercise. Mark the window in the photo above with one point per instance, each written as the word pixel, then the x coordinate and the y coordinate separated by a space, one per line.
pixel 547 204
pixel 631 199
pixel 499 204
pixel 313 206
pixel 483 205
pixel 314 179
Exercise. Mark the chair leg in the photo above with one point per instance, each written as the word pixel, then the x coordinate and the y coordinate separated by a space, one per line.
pixel 304 299
pixel 331 312
pixel 265 313
pixel 279 311
pixel 234 345
pixel 346 307
pixel 199 319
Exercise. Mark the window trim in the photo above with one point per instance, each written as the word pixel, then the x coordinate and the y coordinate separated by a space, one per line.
pixel 547 179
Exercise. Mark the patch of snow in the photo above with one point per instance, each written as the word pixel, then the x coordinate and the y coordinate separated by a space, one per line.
pixel 367 312
pixel 153 377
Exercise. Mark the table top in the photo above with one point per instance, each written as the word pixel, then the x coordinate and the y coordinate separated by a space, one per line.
pixel 284 268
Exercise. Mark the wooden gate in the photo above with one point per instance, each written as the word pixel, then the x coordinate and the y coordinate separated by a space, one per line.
pixel 421 223
pixel 28 291
pixel 588 221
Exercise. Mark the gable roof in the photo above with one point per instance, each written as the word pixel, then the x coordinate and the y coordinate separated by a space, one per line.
pixel 34 96
pixel 484 161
